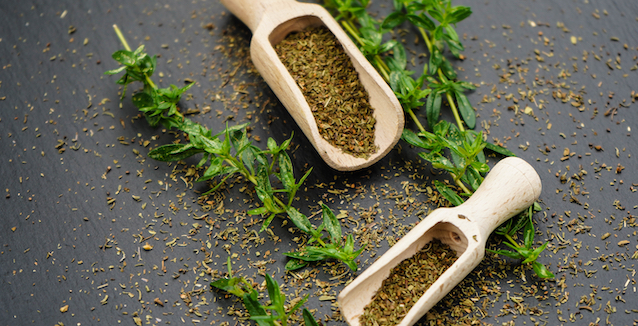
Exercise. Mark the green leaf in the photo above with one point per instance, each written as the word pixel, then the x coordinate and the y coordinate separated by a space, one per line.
pixel 422 21
pixel 124 57
pixel 393 20
pixel 400 57
pixel 435 14
pixel 316 255
pixel 308 318
pixel 258 211
pixel 115 71
pixel 286 174
pixel 215 169
pixel 203 161
pixel 448 193
pixel 534 255
pixel 332 224
pixel 255 310
pixel 300 220
pixel 466 110
pixel 521 221
pixel 541 270
pixel 528 234
pixel 173 152
pixel 267 222
pixel 447 69
pixel 413 139
pixel 272 145
pixel 459 13
pixel 433 108
pixel 507 253
pixel 143 101
pixel 229 171
pixel 297 305
pixel 274 293
pixel 225 284
pixel 499 149
pixel 294 264
pixel 435 60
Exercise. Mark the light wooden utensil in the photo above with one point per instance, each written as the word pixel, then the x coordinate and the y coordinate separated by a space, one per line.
pixel 511 186
pixel 271 21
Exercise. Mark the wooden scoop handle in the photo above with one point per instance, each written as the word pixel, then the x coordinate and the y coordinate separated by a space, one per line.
pixel 510 187
pixel 252 11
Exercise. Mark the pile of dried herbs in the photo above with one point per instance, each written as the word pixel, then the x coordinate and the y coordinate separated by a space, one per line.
pixel 407 282
pixel 331 85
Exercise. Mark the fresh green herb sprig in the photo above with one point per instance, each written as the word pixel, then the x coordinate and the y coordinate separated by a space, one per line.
pixel 274 314
pixel 231 152
pixel 524 251
pixel 453 148
pixel 332 246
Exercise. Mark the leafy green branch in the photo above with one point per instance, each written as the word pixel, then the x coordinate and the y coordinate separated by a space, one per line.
pixel 276 313
pixel 450 147
pixel 231 152
pixel 524 251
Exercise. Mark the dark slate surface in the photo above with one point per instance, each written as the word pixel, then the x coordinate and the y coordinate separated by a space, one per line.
pixel 56 220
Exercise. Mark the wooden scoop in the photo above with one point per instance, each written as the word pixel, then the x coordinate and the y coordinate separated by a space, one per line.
pixel 271 21
pixel 511 186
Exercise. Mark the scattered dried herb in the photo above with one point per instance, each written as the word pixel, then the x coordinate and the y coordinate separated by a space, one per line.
pixel 407 282
pixel 338 101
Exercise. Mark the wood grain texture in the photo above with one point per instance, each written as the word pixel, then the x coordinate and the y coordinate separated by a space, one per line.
pixel 508 189
pixel 270 22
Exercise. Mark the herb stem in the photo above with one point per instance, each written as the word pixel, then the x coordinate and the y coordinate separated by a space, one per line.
pixel 443 79
pixel 455 111
pixel 459 183
pixel 511 240
pixel 377 61
pixel 416 120
pixel 121 37
pixel 128 48
pixel 424 34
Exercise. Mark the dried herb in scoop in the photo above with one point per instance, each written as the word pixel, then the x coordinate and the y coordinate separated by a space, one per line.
pixel 331 86
pixel 406 283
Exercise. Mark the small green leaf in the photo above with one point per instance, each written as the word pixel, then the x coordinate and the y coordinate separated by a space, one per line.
pixel 507 253
pixel 258 211
pixel 413 139
pixel 308 318
pixel 272 145
pixel 294 264
pixel 422 21
pixel 466 110
pixel 255 310
pixel 332 224
pixel 459 13
pixel 274 293
pixel 541 270
pixel 528 235
pixel 115 71
pixel 499 149
pixel 300 220
pixel 297 305
pixel 173 152
pixel 124 57
pixel 448 193
pixel 435 60
pixel 215 169
pixel 286 174
pixel 267 221
pixel 433 108
pixel 393 20
pixel 143 101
